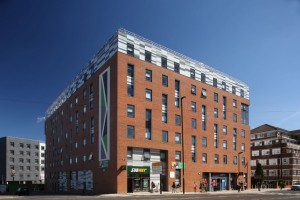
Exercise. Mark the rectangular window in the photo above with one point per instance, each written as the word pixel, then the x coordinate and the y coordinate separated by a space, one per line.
pixel 242 93
pixel 234 103
pixel 192 73
pixel 147 56
pixel 176 67
pixel 234 116
pixel 164 62
pixel 203 117
pixel 216 113
pixel 130 49
pixel 148 94
pixel 243 147
pixel 193 89
pixel 245 114
pixel 194 123
pixel 243 161
pixel 215 82
pixel 149 75
pixel 177 93
pixel 203 78
pixel 224 144
pixel 178 138
pixel 225 159
pixel 216 97
pixel 165 108
pixel 130 131
pixel 204 158
pixel 235 160
pixel 233 90
pixel 216 136
pixel 193 148
pixel 203 93
pixel 165 80
pixel 193 106
pixel 216 159
pixel 223 85
pixel 234 141
pixel 130 110
pixel 224 107
pixel 165 136
pixel 243 134
pixel 148 124
pixel 178 156
pixel 178 120
pixel 92 125
pixel 204 142
pixel 146 155
pixel 130 80
pixel 21 145
pixel 224 130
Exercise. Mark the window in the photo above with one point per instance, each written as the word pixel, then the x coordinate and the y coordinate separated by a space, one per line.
pixel 243 147
pixel 92 124
pixel 216 159
pixel 165 136
pixel 223 85
pixel 84 93
pixel 224 130
pixel 176 67
pixel 21 153
pixel 216 97
pixel 147 56
pixel 215 82
pixel 234 103
pixel 148 124
pixel 21 160
pixel 192 73
pixel 148 94
pixel 12 152
pixel 130 110
pixel 130 131
pixel 149 75
pixel 224 144
pixel 245 114
pixel 11 159
pixel 12 144
pixel 129 153
pixel 178 156
pixel 177 93
pixel 255 153
pixel 204 158
pixel 130 49
pixel 164 62
pixel 235 160
pixel 225 159
pixel 204 142
pixel 203 93
pixel 224 107
pixel 194 123
pixel 178 120
pixel 216 136
pixel 28 146
pixel 165 108
pixel 203 78
pixel 193 106
pixel 165 80
pixel 233 90
pixel 242 92
pixel 193 148
pixel 21 145
pixel 234 117
pixel 178 138
pixel 130 80
pixel 203 117
pixel 216 113
pixel 193 89
pixel 276 151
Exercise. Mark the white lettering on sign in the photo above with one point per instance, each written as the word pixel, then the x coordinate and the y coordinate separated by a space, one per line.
pixel 138 170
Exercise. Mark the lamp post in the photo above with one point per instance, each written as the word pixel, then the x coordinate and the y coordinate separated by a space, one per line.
pixel 183 183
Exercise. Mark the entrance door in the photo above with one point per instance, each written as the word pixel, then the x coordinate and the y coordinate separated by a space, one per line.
pixel 137 184
pixel 145 184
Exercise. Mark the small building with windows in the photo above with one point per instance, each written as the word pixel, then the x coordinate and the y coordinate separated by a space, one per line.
pixel 23 161
pixel 135 111
pixel 278 151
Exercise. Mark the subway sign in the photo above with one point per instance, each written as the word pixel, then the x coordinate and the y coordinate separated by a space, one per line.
pixel 138 170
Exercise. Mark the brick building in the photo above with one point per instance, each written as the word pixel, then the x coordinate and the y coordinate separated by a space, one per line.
pixel 23 160
pixel 278 151
pixel 122 114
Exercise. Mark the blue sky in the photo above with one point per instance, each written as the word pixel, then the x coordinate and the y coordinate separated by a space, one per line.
pixel 44 44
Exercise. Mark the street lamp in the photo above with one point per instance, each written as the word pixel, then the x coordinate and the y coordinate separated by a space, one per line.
pixel 183 183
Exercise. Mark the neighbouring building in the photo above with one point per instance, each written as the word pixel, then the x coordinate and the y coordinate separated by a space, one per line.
pixel 278 151
pixel 23 160
pixel 121 123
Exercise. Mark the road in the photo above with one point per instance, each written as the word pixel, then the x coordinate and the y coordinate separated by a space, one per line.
pixel 266 195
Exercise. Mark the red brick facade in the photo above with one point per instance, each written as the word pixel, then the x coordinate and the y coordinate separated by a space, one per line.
pixel 113 179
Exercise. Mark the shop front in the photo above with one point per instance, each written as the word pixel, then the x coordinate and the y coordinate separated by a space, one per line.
pixel 138 179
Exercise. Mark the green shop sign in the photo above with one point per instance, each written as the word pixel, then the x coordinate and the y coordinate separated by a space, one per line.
pixel 138 170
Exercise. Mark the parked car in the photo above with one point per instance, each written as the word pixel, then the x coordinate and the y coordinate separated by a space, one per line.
pixel 22 191
pixel 296 186
pixel 3 189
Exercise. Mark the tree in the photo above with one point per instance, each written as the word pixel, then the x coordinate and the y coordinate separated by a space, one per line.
pixel 259 174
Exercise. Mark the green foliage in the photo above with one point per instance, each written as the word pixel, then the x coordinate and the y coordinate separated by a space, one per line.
pixel 259 172
pixel 281 183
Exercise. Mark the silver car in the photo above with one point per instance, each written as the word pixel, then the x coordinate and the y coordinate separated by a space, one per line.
pixel 296 186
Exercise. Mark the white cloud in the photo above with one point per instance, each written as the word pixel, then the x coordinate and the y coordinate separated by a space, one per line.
pixel 40 119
